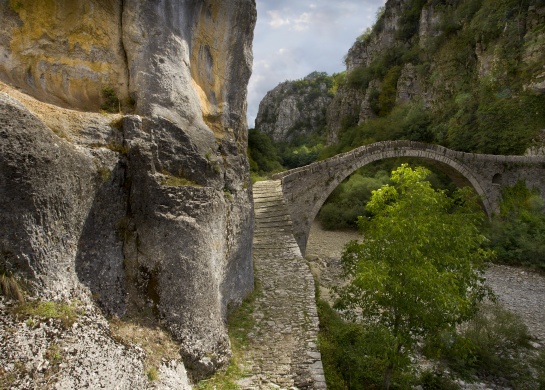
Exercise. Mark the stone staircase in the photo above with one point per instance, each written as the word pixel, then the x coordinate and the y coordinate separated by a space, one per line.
pixel 283 353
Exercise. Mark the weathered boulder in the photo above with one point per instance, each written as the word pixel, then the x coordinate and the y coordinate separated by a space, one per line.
pixel 47 188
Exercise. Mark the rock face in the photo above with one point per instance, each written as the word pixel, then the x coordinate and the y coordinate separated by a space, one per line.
pixel 423 39
pixel 344 110
pixel 295 108
pixel 58 52
pixel 150 212
pixel 364 52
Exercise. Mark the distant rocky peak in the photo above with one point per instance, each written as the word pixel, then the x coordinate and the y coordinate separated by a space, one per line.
pixel 296 108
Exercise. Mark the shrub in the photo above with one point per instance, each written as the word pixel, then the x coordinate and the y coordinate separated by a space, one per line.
pixel 298 156
pixel 110 101
pixel 10 288
pixel 437 380
pixel 518 233
pixel 352 355
pixel 347 202
pixel 387 96
pixel 339 80
pixel 493 343
pixel 263 154
pixel 410 20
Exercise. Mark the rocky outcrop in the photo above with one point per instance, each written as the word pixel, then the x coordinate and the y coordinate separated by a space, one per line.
pixel 408 84
pixel 344 111
pixel 84 355
pixel 295 108
pixel 441 48
pixel 149 212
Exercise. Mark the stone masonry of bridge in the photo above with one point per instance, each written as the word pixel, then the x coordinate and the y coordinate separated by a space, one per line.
pixel 306 188
pixel 283 353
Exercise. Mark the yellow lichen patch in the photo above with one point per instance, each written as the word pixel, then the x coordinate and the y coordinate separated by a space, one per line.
pixel 209 63
pixel 210 112
pixel 88 23
pixel 68 49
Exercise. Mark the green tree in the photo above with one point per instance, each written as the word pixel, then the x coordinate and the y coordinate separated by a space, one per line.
pixel 419 269
pixel 262 153
pixel 517 234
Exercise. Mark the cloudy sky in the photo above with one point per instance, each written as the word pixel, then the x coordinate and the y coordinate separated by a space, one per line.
pixel 295 37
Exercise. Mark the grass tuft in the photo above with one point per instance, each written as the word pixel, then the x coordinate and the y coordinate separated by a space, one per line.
pixel 39 311
pixel 156 343
pixel 11 289
pixel 153 374
pixel 170 180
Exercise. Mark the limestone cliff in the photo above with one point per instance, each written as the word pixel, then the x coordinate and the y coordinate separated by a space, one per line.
pixel 295 108
pixel 474 68
pixel 149 212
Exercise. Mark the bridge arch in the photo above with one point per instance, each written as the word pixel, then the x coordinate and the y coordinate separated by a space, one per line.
pixel 305 189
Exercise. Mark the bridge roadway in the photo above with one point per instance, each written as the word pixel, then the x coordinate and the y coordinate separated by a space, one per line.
pixel 282 353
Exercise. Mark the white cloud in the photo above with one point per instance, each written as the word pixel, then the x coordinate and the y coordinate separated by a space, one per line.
pixel 303 21
pixel 277 20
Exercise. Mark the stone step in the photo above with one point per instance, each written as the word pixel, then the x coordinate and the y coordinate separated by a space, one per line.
pixel 264 194
pixel 273 218
pixel 271 213
pixel 269 185
pixel 270 203
pixel 282 350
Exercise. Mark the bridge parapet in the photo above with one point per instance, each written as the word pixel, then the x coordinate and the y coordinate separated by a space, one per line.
pixel 306 188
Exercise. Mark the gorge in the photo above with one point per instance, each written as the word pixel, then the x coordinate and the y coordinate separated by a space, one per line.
pixel 126 205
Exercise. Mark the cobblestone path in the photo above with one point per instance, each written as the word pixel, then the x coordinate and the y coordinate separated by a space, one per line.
pixel 283 351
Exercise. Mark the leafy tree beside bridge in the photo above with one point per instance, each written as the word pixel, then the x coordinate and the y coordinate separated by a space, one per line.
pixel 419 269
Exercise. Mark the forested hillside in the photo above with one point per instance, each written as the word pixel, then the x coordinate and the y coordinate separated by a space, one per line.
pixel 466 74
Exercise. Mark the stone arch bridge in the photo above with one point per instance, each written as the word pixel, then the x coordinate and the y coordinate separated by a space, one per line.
pixel 305 189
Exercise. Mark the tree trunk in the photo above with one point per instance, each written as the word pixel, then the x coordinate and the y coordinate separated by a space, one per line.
pixel 388 376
